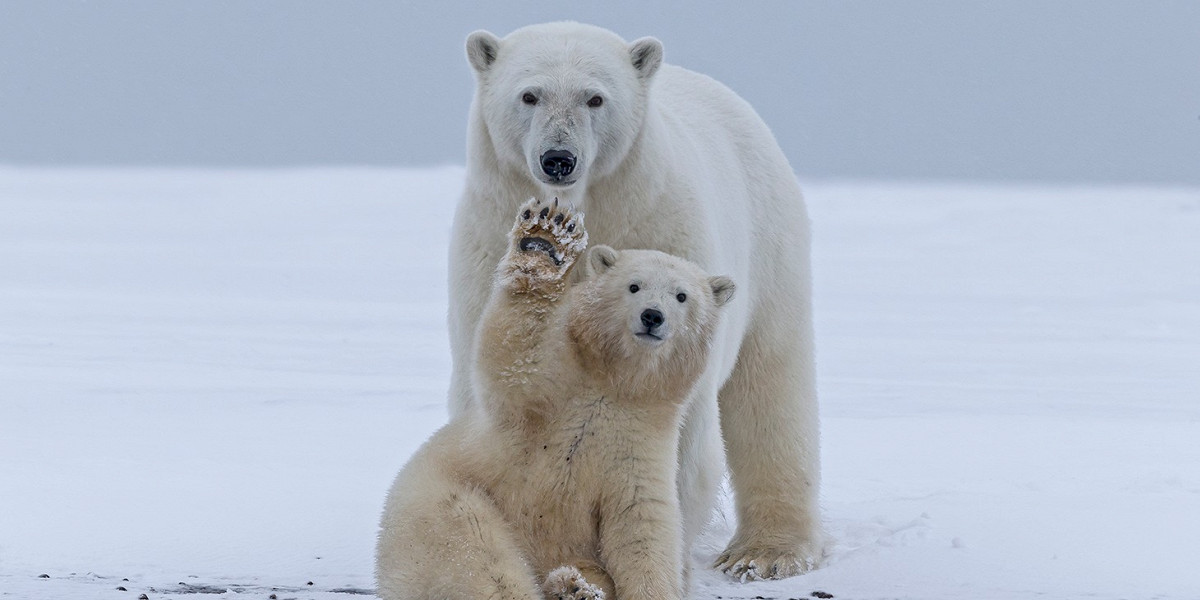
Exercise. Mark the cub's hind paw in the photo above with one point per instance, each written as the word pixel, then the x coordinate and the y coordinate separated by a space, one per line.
pixel 548 230
pixel 567 583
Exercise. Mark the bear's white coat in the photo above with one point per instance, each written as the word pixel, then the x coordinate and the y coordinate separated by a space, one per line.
pixel 561 481
pixel 671 160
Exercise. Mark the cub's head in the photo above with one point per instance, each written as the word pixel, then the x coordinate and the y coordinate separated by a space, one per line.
pixel 563 101
pixel 644 310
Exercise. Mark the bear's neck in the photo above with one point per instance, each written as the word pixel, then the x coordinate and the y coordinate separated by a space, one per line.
pixel 642 168
pixel 643 382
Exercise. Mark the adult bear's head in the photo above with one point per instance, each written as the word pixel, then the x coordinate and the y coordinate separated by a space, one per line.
pixel 563 100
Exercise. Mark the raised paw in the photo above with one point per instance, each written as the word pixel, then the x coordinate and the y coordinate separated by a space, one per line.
pixel 752 564
pixel 548 232
pixel 567 583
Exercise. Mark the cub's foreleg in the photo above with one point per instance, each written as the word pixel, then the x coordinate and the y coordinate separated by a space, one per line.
pixel 641 540
pixel 516 336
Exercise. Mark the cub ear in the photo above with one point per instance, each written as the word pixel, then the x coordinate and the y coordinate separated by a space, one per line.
pixel 722 288
pixel 600 259
pixel 647 55
pixel 482 49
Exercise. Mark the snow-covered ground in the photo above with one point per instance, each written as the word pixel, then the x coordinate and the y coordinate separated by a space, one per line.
pixel 209 378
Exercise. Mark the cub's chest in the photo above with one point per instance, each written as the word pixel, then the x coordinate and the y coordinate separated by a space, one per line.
pixel 571 454
pixel 556 487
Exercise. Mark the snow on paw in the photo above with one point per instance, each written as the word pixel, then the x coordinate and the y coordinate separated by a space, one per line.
pixel 567 583
pixel 547 238
pixel 755 564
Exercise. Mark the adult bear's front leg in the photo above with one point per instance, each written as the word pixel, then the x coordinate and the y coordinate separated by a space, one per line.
pixel 770 425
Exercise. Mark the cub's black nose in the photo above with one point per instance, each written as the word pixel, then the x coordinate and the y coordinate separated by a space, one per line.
pixel 558 163
pixel 652 319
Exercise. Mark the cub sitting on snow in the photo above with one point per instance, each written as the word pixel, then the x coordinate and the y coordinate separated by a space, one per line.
pixel 560 482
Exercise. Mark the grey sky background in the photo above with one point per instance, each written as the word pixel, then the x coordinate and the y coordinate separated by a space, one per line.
pixel 1069 92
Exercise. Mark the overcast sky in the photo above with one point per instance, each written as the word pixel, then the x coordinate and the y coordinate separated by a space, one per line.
pixel 1091 91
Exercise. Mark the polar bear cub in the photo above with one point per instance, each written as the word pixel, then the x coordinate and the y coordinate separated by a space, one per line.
pixel 560 482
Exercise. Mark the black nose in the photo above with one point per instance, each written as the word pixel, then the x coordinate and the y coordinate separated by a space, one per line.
pixel 652 319
pixel 558 163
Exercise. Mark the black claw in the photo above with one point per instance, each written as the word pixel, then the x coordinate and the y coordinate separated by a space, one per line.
pixel 545 211
pixel 526 215
pixel 558 219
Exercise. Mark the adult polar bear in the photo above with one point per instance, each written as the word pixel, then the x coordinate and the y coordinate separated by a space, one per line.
pixel 573 111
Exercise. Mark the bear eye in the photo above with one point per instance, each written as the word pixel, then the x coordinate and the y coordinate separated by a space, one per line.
pixel 633 288
pixel 529 99
pixel 595 101
pixel 682 297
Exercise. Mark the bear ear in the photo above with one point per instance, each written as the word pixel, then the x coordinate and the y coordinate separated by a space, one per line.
pixel 600 258
pixel 482 48
pixel 647 55
pixel 722 288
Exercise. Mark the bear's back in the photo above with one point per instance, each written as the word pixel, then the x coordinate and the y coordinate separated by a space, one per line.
pixel 704 103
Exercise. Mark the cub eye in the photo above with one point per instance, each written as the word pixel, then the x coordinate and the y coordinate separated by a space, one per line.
pixel 595 101
pixel 682 297
pixel 633 289
pixel 529 99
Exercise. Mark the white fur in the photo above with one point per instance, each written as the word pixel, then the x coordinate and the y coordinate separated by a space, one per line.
pixel 666 146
